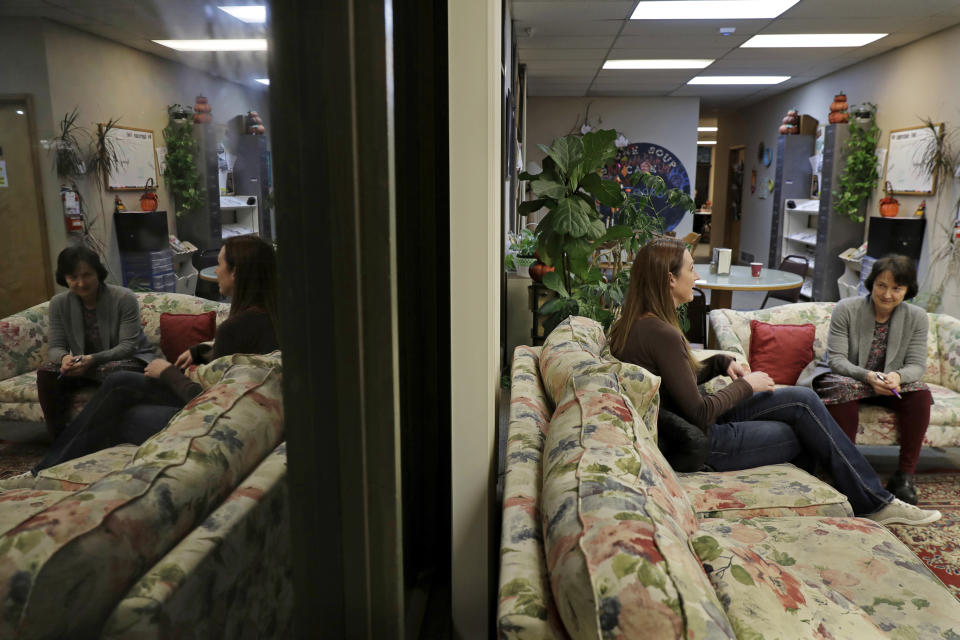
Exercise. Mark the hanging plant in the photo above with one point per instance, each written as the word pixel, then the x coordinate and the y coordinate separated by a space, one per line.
pixel 859 177
pixel 181 172
pixel 66 145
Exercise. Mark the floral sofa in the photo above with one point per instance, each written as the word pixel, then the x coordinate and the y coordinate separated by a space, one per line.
pixel 877 424
pixel 601 539
pixel 186 535
pixel 23 348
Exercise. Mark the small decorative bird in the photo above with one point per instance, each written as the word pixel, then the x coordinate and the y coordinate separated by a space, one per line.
pixel 921 209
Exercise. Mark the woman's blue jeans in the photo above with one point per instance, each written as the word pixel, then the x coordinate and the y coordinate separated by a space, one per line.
pixel 128 407
pixel 779 426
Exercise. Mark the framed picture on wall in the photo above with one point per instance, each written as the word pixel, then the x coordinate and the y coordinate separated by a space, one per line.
pixel 136 158
pixel 906 171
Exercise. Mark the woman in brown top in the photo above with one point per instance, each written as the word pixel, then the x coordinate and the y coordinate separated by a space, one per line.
pixel 131 407
pixel 748 423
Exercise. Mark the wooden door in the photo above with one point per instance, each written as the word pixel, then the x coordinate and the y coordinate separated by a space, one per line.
pixel 25 278
pixel 734 208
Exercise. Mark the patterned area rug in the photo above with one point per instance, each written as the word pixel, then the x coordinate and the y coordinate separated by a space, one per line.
pixel 939 544
pixel 15 458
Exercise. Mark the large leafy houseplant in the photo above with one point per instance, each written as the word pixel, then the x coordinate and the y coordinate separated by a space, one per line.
pixel 181 173
pixel 859 177
pixel 573 235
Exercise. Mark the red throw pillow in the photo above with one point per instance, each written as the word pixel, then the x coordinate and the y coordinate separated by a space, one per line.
pixel 180 331
pixel 781 350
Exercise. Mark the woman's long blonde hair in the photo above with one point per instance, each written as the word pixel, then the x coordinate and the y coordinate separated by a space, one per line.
pixel 649 292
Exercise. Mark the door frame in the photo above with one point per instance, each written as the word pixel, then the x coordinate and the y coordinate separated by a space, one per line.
pixel 27 99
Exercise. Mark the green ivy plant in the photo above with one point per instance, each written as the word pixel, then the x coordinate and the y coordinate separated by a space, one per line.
pixel 572 234
pixel 859 177
pixel 523 245
pixel 181 172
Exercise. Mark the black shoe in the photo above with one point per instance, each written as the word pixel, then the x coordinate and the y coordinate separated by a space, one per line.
pixel 901 486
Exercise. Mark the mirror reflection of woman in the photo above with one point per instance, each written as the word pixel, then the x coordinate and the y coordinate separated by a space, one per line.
pixel 95 330
pixel 131 407
pixel 877 354
pixel 749 423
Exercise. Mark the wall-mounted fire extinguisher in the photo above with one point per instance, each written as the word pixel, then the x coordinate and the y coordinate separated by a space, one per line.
pixel 72 209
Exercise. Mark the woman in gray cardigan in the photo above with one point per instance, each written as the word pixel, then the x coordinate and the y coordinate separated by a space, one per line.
pixel 877 353
pixel 94 330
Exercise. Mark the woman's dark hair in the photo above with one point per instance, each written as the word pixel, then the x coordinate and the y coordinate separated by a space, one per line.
pixel 903 270
pixel 71 257
pixel 254 268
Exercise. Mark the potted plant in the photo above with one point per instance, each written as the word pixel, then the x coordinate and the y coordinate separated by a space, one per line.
pixel 521 254
pixel 941 159
pixel 68 158
pixel 859 177
pixel 573 233
pixel 181 173
pixel 179 113
pixel 889 206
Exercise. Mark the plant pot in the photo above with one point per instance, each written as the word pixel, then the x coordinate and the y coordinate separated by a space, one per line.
pixel 523 265
pixel 538 270
pixel 889 210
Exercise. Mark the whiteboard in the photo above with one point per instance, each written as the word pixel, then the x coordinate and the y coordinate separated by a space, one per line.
pixel 135 147
pixel 904 157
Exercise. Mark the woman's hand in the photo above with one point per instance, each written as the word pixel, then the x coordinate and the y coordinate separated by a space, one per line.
pixel 886 386
pixel 184 360
pixel 156 368
pixel 72 365
pixel 737 370
pixel 759 381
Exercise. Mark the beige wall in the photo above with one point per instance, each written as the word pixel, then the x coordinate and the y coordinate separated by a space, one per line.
pixel 65 68
pixel 908 83
pixel 668 122
pixel 474 31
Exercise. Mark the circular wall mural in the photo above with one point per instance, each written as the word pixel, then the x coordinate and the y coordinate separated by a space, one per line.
pixel 652 158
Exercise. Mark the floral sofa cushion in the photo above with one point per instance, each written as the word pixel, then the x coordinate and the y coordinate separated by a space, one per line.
pixel 822 578
pixel 948 345
pixel 75 474
pixel 99 539
pixel 773 490
pixel 210 583
pixel 615 525
pixel 525 605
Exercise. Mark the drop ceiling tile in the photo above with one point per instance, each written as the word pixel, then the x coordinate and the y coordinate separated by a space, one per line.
pixel 556 92
pixel 571 28
pixel 833 24
pixel 871 8
pixel 555 67
pixel 626 93
pixel 680 42
pixel 626 53
pixel 756 68
pixel 526 55
pixel 570 11
pixel 568 42
pixel 698 28
pixel 787 55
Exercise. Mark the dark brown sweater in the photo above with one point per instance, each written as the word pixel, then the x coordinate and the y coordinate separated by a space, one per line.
pixel 250 331
pixel 660 349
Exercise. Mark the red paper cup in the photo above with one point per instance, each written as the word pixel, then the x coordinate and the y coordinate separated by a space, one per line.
pixel 755 268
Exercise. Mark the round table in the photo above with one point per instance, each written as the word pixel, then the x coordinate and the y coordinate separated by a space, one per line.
pixel 740 279
pixel 209 274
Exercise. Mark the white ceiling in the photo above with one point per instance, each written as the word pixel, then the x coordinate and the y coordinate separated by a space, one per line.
pixel 135 23
pixel 564 44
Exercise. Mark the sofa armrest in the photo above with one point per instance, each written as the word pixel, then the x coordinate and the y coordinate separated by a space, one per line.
pixel 722 326
pixel 23 341
pixel 948 337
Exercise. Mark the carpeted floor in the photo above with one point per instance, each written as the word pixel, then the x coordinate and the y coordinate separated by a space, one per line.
pixel 15 457
pixel 937 545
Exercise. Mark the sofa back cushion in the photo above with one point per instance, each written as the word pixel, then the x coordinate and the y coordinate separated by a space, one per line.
pixel 23 340
pixel 153 304
pixel 948 345
pixel 616 525
pixel 97 541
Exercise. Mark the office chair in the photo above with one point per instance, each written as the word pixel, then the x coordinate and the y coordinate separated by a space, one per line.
pixel 794 264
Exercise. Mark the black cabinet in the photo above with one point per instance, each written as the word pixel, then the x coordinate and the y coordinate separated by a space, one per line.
pixel 896 235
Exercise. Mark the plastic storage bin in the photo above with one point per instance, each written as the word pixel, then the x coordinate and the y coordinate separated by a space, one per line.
pixel 149 270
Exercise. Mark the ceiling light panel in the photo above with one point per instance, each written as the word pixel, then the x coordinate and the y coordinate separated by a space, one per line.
pixel 799 40
pixel 739 79
pixel 254 13
pixel 656 64
pixel 246 44
pixel 705 142
pixel 711 9
pixel 707 128
pixel 265 81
